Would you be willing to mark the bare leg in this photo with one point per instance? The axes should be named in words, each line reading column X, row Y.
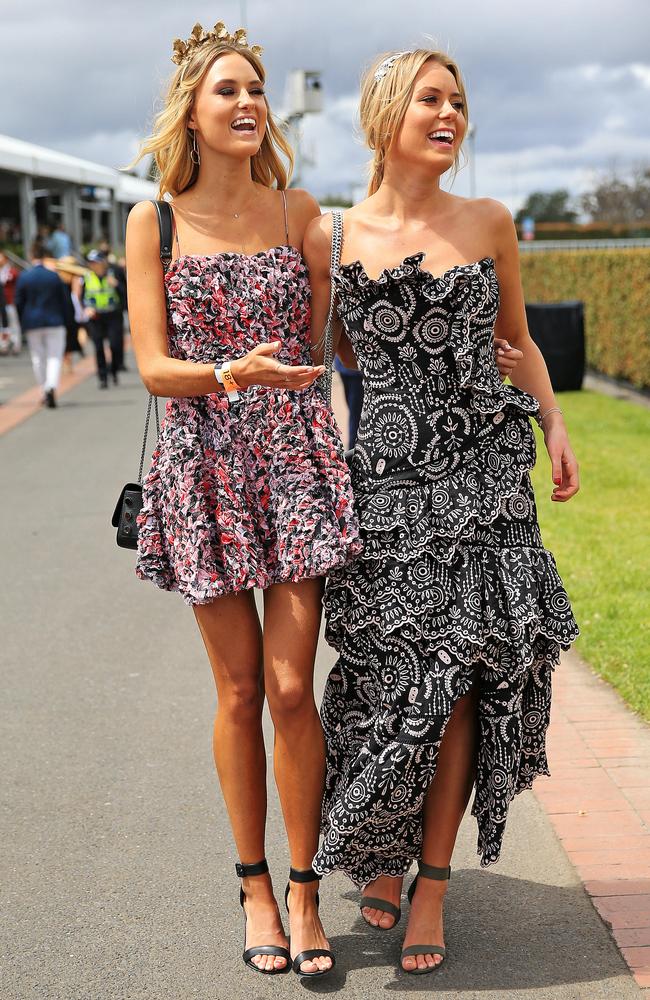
column 291, row 621
column 444, row 807
column 232, row 636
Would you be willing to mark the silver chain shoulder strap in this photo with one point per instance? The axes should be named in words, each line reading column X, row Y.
column 328, row 333
column 146, row 431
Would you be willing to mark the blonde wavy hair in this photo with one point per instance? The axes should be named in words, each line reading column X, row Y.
column 170, row 142
column 384, row 103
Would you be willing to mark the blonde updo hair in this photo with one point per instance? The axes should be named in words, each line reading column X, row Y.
column 170, row 142
column 384, row 103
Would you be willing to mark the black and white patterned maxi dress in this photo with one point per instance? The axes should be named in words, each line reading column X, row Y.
column 453, row 584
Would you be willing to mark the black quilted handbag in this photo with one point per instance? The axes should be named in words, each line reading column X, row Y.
column 129, row 503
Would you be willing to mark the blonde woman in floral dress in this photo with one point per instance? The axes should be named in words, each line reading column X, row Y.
column 248, row 487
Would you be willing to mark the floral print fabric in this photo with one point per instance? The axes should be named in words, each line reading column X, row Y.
column 256, row 492
column 453, row 586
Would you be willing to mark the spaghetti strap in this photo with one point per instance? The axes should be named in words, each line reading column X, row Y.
column 286, row 217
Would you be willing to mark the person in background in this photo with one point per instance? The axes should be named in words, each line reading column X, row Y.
column 353, row 389
column 72, row 275
column 4, row 320
column 103, row 315
column 44, row 309
column 117, row 273
column 8, row 279
column 59, row 243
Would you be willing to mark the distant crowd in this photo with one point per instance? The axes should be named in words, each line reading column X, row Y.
column 58, row 304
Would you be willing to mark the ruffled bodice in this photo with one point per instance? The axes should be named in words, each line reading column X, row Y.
column 425, row 347
column 223, row 305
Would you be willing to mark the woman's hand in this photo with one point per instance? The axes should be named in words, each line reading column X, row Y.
column 259, row 367
column 507, row 357
column 564, row 467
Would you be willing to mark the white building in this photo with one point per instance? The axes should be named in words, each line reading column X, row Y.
column 38, row 185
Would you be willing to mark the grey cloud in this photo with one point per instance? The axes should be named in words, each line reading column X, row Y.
column 86, row 78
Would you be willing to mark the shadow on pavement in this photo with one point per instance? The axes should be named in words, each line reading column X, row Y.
column 104, row 401
column 502, row 934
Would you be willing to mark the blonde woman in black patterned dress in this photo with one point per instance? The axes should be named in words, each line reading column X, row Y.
column 450, row 623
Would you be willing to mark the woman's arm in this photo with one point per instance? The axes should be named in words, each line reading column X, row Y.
column 531, row 373
column 165, row 376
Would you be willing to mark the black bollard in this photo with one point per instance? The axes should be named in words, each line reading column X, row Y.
column 558, row 329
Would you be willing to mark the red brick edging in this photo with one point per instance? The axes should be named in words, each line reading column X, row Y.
column 598, row 801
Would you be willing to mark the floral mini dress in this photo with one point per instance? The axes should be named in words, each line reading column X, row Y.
column 256, row 491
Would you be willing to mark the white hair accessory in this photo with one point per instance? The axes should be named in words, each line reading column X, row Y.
column 387, row 64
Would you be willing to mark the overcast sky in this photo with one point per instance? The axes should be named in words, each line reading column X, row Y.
column 558, row 91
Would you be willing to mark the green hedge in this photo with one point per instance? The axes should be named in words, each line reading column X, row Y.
column 615, row 288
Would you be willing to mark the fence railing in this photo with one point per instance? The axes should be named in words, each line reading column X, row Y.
column 539, row 246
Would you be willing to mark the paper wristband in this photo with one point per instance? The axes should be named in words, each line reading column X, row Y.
column 229, row 383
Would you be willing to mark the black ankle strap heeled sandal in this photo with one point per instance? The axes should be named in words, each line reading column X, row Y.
column 438, row 875
column 249, row 871
column 302, row 876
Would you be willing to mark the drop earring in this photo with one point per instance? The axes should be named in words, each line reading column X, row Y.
column 195, row 154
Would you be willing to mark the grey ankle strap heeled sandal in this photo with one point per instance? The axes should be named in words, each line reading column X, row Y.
column 438, row 875
column 376, row 903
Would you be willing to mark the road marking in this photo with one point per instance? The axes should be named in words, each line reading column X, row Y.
column 22, row 407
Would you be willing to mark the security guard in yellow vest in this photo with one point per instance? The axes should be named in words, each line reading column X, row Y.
column 103, row 310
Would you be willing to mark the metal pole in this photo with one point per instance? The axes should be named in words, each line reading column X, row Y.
column 471, row 135
column 72, row 214
column 115, row 234
column 293, row 122
column 242, row 13
column 27, row 212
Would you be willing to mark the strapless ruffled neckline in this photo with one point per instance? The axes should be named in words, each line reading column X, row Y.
column 407, row 267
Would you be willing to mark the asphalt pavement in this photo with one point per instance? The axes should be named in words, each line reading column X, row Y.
column 117, row 860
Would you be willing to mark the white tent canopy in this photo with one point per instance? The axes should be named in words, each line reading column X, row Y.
column 22, row 163
column 26, row 158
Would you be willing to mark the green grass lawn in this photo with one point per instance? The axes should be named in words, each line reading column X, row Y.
column 601, row 538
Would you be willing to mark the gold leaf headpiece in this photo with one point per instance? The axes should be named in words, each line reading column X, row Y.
column 198, row 36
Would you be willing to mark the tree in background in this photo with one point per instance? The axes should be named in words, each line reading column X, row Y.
column 547, row 206
column 336, row 201
column 615, row 199
column 152, row 170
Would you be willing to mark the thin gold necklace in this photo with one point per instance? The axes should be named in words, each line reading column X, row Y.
column 237, row 215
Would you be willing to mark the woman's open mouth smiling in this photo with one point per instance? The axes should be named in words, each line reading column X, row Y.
column 442, row 137
column 245, row 125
